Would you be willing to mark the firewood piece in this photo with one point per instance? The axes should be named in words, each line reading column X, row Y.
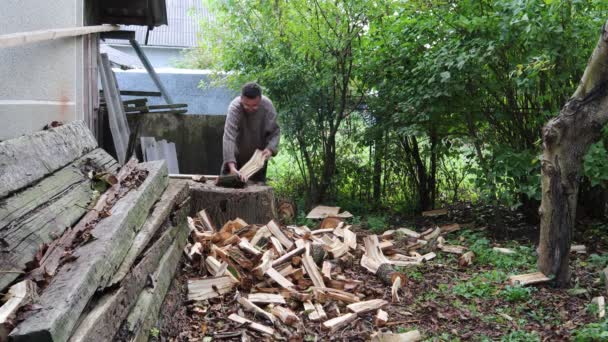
column 578, row 249
column 285, row 315
column 287, row 271
column 253, row 165
column 278, row 278
column 288, row 256
column 432, row 235
column 206, row 221
column 264, row 265
column 408, row 232
column 277, row 245
column 96, row 261
column 322, row 231
column 367, row 306
column 350, row 239
column 18, row 295
column 435, row 213
column 326, row 270
column 448, row 228
column 338, row 322
column 466, row 259
column 381, row 318
column 250, row 306
column 251, row 324
column 201, row 289
column 342, row 296
column 429, row 256
column 217, row 268
column 601, row 306
column 322, row 211
column 196, row 252
column 261, row 233
column 315, row 311
column 504, row 250
column 384, row 245
column 330, row 222
column 192, row 225
column 453, row 249
column 230, row 181
column 528, row 279
column 318, row 253
column 312, row 271
column 410, row 336
column 274, row 228
column 266, row 298
column 248, row 247
column 337, row 249
column 395, row 289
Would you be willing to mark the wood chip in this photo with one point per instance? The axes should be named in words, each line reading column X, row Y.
column 528, row 279
column 251, row 324
column 381, row 318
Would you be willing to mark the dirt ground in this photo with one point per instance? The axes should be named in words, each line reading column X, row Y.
column 443, row 300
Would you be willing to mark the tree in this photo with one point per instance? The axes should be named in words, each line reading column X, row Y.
column 566, row 140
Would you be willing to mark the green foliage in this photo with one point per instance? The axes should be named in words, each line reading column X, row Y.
column 481, row 285
column 154, row 332
column 520, row 336
column 516, row 293
column 376, row 224
column 597, row 261
column 521, row 261
column 591, row 332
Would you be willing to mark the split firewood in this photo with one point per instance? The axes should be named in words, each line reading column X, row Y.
column 322, row 211
column 367, row 306
column 196, row 252
column 251, row 324
column 322, row 231
column 330, row 222
column 381, row 318
column 233, row 225
column 264, row 265
column 337, row 249
column 278, row 278
column 18, row 295
column 248, row 247
column 452, row 249
column 255, row 164
column 435, row 213
column 288, row 256
column 374, row 261
column 191, row 225
column 397, row 284
column 215, row 267
column 250, row 306
column 408, row 232
column 277, row 245
column 287, row 271
column 285, row 315
column 504, row 250
column 385, row 245
column 274, row 229
column 201, row 289
column 326, row 270
column 410, row 336
column 433, row 234
column 578, row 249
column 312, row 271
column 206, row 222
column 601, row 306
column 322, row 293
column 466, row 259
column 528, row 279
column 339, row 322
column 261, row 234
column 448, row 228
column 350, row 238
column 266, row 298
column 315, row 311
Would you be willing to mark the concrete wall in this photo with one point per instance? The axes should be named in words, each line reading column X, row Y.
column 183, row 87
column 42, row 81
column 159, row 56
column 197, row 138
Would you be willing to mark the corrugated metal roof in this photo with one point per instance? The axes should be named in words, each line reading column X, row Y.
column 183, row 30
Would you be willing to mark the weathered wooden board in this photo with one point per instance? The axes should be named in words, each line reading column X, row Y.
column 176, row 193
column 29, row 158
column 102, row 321
column 69, row 291
column 42, row 212
column 145, row 312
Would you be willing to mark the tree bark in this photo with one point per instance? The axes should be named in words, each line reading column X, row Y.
column 566, row 139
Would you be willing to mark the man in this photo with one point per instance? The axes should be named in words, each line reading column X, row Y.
column 251, row 123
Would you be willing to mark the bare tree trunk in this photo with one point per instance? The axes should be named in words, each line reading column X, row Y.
column 566, row 139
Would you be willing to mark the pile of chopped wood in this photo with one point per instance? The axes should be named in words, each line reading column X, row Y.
column 291, row 280
column 88, row 252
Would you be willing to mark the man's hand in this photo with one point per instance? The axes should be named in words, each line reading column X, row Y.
column 267, row 154
column 234, row 171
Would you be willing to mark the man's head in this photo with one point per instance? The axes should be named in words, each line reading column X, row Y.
column 251, row 95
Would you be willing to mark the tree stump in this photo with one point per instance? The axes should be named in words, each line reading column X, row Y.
column 253, row 203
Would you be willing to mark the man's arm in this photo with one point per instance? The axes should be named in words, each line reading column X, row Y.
column 229, row 139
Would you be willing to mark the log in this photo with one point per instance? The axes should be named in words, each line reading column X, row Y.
column 201, row 289
column 381, row 318
column 176, row 193
column 251, row 324
column 367, row 306
column 230, row 181
column 102, row 321
column 30, row 158
column 285, row 315
column 18, row 295
column 254, row 204
column 144, row 314
column 318, row 253
column 40, row 213
column 66, row 296
column 336, row 323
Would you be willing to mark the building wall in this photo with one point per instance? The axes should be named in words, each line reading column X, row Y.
column 42, row 81
column 183, row 87
column 159, row 56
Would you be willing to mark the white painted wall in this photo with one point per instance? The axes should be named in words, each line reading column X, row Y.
column 44, row 81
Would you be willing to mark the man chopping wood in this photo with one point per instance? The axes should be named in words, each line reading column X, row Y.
column 251, row 124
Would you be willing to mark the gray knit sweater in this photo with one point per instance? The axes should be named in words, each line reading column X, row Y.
column 246, row 132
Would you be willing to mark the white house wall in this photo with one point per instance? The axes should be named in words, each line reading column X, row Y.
column 42, row 81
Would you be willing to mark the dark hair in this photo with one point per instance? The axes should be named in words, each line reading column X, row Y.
column 251, row 90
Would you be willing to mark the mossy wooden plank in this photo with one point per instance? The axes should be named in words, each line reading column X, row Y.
column 29, row 158
column 65, row 298
column 40, row 213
